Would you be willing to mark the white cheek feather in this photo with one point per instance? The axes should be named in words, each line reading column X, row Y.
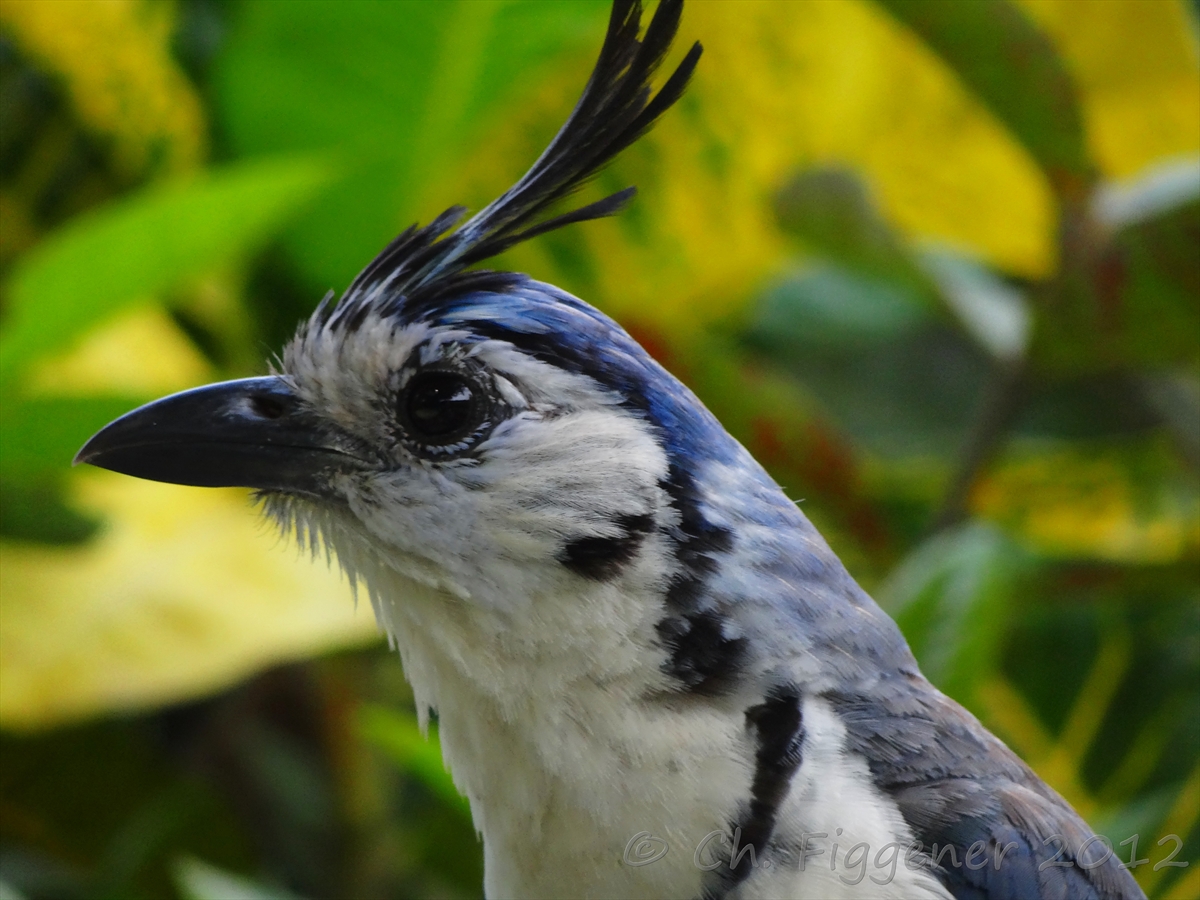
column 540, row 483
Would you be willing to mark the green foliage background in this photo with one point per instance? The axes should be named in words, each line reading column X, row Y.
column 936, row 264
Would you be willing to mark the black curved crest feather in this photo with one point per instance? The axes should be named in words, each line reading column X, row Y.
column 616, row 108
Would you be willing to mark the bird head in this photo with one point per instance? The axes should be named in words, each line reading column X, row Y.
column 476, row 432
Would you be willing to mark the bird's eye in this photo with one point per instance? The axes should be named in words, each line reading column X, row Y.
column 439, row 409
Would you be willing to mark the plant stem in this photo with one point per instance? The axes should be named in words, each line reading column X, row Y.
column 1002, row 399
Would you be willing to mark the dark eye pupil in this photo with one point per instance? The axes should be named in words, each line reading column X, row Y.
column 440, row 405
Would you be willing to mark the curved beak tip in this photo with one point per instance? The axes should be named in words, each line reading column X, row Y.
column 219, row 436
column 85, row 453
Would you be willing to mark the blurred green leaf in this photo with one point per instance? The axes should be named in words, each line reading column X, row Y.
column 993, row 312
column 950, row 597
column 143, row 245
column 132, row 848
column 35, row 873
column 1136, row 300
column 197, row 880
column 1013, row 67
column 36, row 510
column 1098, row 405
column 398, row 88
column 1156, row 266
column 900, row 383
column 1176, row 398
column 291, row 775
column 41, row 434
column 828, row 305
column 397, row 735
column 38, row 439
column 832, row 213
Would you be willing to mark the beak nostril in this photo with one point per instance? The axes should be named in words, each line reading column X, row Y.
column 267, row 406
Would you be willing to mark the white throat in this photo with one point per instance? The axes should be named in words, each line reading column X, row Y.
column 561, row 753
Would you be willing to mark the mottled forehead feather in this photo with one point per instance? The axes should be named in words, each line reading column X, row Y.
column 425, row 265
column 539, row 322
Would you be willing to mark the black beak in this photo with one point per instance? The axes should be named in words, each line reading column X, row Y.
column 248, row 433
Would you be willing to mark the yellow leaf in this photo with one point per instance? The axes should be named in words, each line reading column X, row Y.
column 1101, row 504
column 185, row 592
column 1136, row 65
column 139, row 353
column 115, row 60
